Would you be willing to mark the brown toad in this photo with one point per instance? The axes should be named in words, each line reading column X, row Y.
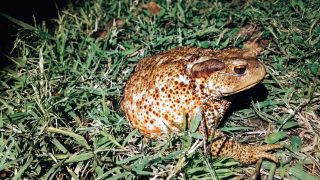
column 192, row 81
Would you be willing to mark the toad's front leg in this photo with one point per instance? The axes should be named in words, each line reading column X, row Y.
column 212, row 114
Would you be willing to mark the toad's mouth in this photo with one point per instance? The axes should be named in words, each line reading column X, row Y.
column 240, row 90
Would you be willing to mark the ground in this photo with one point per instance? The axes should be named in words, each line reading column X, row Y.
column 59, row 102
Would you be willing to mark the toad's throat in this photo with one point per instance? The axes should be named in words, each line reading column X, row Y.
column 239, row 90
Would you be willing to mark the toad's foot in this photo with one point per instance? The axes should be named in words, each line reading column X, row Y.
column 246, row 154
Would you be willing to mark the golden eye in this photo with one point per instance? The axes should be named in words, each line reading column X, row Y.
column 241, row 69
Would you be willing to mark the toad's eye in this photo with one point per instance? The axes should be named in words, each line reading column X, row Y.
column 241, row 69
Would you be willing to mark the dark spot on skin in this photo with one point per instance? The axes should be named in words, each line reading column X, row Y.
column 193, row 57
column 151, row 121
column 151, row 84
column 166, row 117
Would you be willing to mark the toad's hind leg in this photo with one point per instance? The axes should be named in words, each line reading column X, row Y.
column 246, row 154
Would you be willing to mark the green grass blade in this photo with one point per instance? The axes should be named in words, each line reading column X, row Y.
column 18, row 22
column 79, row 139
column 23, row 168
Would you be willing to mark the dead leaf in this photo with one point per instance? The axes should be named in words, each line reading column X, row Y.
column 264, row 42
column 115, row 23
column 253, row 48
column 248, row 30
column 152, row 7
column 102, row 33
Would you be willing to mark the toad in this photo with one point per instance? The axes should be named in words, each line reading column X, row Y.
column 187, row 81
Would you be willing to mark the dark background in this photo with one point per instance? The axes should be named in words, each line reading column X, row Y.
column 26, row 11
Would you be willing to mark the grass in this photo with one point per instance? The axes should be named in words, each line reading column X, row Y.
column 59, row 103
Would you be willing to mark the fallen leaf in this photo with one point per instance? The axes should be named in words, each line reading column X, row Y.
column 248, row 30
column 264, row 42
column 115, row 23
column 102, row 33
column 152, row 7
column 253, row 47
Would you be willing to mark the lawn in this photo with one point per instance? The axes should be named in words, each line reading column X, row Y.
column 59, row 105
